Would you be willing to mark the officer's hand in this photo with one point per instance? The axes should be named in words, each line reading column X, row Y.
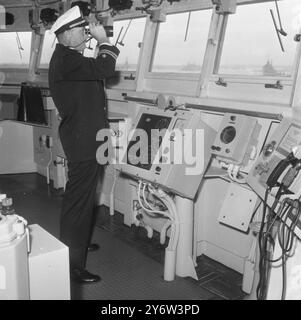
column 98, row 33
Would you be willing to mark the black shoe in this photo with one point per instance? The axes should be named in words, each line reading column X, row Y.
column 84, row 276
column 93, row 247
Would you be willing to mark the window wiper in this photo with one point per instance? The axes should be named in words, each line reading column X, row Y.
column 19, row 42
column 19, row 45
column 117, row 40
column 276, row 29
column 125, row 32
column 187, row 25
column 280, row 29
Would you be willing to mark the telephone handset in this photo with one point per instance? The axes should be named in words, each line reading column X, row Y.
column 278, row 165
column 279, row 169
column 293, row 160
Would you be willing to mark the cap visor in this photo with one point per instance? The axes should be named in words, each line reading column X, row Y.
column 82, row 23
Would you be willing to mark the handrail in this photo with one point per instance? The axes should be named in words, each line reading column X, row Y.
column 260, row 114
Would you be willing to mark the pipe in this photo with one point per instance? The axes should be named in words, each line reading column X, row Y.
column 48, row 165
column 169, row 265
column 64, row 178
column 149, row 231
column 170, row 251
column 163, row 230
column 112, row 193
column 184, row 263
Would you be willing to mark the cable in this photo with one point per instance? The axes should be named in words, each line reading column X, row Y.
column 288, row 210
column 169, row 203
column 175, row 228
column 233, row 172
column 288, row 239
column 260, row 290
column 145, row 200
column 148, row 210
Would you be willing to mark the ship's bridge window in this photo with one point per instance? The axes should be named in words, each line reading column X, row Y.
column 49, row 44
column 251, row 46
column 127, row 36
column 181, row 42
column 15, row 51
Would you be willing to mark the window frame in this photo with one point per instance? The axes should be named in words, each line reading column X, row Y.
column 39, row 68
column 255, row 84
column 181, row 83
column 255, row 77
column 128, row 78
column 175, row 75
column 30, row 46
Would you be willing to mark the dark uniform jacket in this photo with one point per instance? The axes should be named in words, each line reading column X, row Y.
column 76, row 86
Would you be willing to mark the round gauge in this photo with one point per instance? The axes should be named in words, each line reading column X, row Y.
column 228, row 134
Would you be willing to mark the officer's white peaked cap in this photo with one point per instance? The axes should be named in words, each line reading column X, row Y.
column 72, row 18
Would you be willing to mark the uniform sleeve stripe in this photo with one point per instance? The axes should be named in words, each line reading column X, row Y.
column 105, row 46
column 112, row 54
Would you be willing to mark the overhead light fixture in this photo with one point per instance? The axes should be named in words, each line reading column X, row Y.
column 119, row 5
column 9, row 19
column 48, row 16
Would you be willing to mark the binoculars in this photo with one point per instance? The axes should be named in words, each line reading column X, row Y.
column 108, row 30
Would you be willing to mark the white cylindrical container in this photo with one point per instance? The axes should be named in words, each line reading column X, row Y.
column 184, row 262
column 14, row 272
column 169, row 265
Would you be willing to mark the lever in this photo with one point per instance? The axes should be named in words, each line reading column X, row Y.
column 221, row 82
column 281, row 166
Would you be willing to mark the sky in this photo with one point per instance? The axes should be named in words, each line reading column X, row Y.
column 259, row 40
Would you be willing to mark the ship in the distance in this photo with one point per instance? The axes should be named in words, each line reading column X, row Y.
column 269, row 70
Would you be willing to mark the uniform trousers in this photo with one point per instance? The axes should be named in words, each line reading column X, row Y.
column 77, row 216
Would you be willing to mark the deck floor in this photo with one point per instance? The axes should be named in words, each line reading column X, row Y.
column 130, row 264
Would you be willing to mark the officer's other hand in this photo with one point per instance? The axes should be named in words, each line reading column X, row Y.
column 98, row 32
